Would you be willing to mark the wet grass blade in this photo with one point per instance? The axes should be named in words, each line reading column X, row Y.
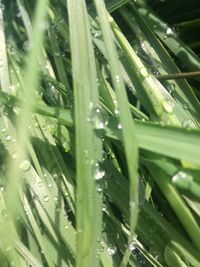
column 88, row 145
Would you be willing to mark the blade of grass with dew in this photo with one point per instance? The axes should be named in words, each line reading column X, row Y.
column 118, row 193
column 4, row 74
column 182, row 143
column 30, row 80
column 149, row 90
column 37, row 188
column 128, row 132
column 152, row 217
column 184, row 94
column 177, row 204
column 88, row 145
column 166, row 34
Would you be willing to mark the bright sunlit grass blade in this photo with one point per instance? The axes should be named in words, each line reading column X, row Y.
column 4, row 74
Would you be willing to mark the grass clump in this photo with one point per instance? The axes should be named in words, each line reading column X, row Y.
column 99, row 130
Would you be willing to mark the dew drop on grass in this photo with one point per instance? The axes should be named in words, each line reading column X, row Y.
column 2, row 188
column 117, row 78
column 188, row 124
column 168, row 106
column 8, row 248
column 57, row 54
column 26, row 212
column 111, row 250
column 46, row 198
column 99, row 188
column 186, row 105
column 182, row 178
column 170, row 88
column 25, row 165
column 4, row 213
column 99, row 118
column 8, row 138
column 133, row 245
column 55, row 198
column 144, row 72
column 15, row 155
column 98, row 171
column 66, row 227
column 119, row 126
column 169, row 31
column 40, row 184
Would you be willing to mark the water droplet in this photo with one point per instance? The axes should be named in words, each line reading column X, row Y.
column 8, row 138
column 188, row 124
column 49, row 185
column 182, row 179
column 133, row 245
column 186, row 105
column 169, row 31
column 46, row 198
column 98, row 172
column 55, row 198
column 117, row 78
column 119, row 126
column 66, row 227
column 111, row 250
column 57, row 54
column 144, row 72
column 168, row 106
column 155, row 71
column 101, row 247
column 2, row 188
column 15, row 155
column 40, row 184
column 16, row 110
column 104, row 155
column 99, row 188
column 4, row 213
column 98, row 118
column 8, row 248
column 26, row 212
column 25, row 165
column 170, row 87
column 3, row 129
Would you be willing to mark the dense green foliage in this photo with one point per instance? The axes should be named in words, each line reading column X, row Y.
column 100, row 152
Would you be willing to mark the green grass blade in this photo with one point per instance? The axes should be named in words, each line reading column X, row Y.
column 128, row 132
column 4, row 74
column 88, row 145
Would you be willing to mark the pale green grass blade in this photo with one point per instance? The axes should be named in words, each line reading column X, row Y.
column 128, row 132
column 30, row 80
column 178, row 205
column 4, row 74
column 88, row 145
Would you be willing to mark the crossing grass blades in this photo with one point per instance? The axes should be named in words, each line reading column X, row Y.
column 99, row 133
